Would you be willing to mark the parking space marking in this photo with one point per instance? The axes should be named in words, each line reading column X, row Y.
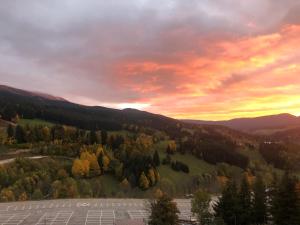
column 6, row 217
column 15, row 219
column 56, row 218
column 93, row 217
column 108, row 217
column 3, row 208
column 186, row 215
column 138, row 214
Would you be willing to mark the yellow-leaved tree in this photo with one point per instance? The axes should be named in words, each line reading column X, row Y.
column 143, row 181
column 105, row 162
column 151, row 176
column 80, row 168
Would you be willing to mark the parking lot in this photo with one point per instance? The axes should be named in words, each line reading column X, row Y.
column 80, row 211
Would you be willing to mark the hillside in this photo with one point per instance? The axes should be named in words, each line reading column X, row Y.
column 259, row 125
column 31, row 105
column 120, row 147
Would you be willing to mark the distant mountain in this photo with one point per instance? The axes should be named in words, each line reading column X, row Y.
column 29, row 104
column 256, row 125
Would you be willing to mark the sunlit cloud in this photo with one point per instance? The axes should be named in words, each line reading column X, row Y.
column 185, row 59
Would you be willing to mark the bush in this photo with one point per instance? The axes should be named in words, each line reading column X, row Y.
column 179, row 166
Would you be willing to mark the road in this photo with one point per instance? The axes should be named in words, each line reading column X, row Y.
column 80, row 211
column 5, row 161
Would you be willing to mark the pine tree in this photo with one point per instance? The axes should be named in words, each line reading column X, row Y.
column 164, row 212
column 10, row 131
column 227, row 206
column 156, row 158
column 104, row 137
column 20, row 134
column 259, row 202
column 200, row 207
column 272, row 195
column 244, row 203
column 286, row 203
column 93, row 137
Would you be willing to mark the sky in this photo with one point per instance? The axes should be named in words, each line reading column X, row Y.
column 194, row 59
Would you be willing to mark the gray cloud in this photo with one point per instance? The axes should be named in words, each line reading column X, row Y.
column 69, row 47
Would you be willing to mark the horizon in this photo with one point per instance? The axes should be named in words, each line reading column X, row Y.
column 209, row 60
column 123, row 108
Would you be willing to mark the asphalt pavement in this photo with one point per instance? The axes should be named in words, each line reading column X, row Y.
column 80, row 211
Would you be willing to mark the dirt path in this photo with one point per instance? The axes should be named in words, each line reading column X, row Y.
column 5, row 161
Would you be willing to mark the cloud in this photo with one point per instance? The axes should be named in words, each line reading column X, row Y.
column 180, row 58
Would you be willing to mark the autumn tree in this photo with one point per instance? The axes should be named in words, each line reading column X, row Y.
column 125, row 185
column 151, row 177
column 171, row 148
column 7, row 195
column 164, row 212
column 94, row 166
column 143, row 181
column 80, row 168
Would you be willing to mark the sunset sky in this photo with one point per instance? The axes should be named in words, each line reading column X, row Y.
column 197, row 59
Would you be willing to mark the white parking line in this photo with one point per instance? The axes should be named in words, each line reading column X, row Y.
column 138, row 214
column 62, row 218
column 93, row 217
column 5, row 218
column 15, row 219
column 4, row 209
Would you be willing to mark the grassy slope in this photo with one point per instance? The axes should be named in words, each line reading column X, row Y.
column 179, row 179
column 34, row 122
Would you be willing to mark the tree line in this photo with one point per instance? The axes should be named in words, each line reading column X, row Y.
column 248, row 204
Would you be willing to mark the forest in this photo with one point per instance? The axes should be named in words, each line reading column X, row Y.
column 102, row 152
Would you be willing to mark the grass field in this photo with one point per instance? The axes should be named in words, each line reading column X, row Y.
column 181, row 180
column 34, row 122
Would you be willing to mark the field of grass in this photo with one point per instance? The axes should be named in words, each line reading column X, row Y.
column 253, row 155
column 34, row 122
column 181, row 180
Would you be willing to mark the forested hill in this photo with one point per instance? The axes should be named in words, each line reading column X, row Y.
column 257, row 124
column 211, row 143
column 34, row 105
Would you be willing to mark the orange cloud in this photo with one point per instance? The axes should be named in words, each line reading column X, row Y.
column 248, row 76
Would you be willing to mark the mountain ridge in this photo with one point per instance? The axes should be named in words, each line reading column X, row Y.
column 253, row 124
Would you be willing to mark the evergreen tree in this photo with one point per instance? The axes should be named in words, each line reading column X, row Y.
column 259, row 202
column 286, row 203
column 200, row 207
column 156, row 158
column 244, row 203
column 104, row 137
column 164, row 212
column 10, row 131
column 20, row 134
column 93, row 137
column 227, row 206
column 272, row 195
